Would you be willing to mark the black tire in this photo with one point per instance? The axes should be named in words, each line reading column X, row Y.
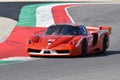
column 105, row 44
column 84, row 48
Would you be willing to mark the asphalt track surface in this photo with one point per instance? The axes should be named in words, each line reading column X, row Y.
column 94, row 67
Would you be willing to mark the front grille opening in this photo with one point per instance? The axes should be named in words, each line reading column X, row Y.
column 46, row 52
column 34, row 50
column 62, row 51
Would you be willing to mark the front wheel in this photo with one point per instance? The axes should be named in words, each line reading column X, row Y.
column 84, row 48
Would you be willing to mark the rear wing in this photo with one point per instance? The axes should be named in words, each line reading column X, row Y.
column 106, row 28
column 92, row 28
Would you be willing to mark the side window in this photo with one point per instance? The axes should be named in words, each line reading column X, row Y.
column 76, row 31
column 82, row 29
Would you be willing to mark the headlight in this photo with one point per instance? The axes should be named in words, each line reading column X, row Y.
column 30, row 41
column 34, row 39
column 72, row 42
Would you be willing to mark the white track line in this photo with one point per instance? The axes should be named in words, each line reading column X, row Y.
column 18, row 59
column 44, row 16
column 69, row 14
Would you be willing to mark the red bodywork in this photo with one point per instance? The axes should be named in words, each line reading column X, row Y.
column 61, row 45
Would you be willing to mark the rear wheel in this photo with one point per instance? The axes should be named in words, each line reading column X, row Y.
column 105, row 44
column 84, row 48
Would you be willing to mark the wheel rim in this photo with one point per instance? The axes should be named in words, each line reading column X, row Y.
column 105, row 43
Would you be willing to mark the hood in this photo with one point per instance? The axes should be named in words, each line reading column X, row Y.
column 50, row 41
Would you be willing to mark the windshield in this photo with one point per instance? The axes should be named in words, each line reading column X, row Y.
column 62, row 30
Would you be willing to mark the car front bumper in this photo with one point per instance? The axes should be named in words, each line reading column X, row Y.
column 48, row 52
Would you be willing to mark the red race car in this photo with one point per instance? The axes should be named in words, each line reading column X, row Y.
column 69, row 40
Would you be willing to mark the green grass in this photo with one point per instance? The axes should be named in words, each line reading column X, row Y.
column 8, row 61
